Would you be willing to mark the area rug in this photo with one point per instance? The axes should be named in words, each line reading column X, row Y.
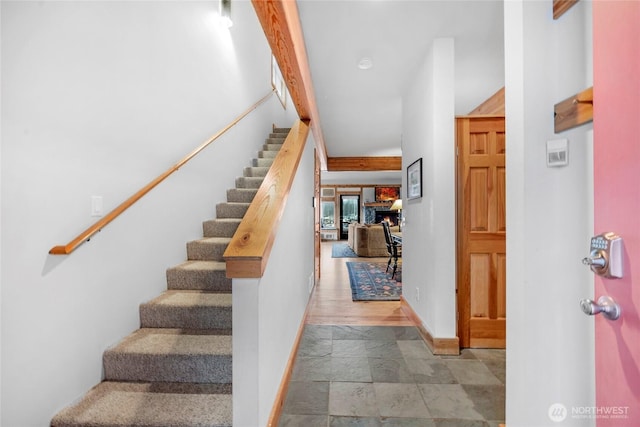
column 342, row 250
column 369, row 282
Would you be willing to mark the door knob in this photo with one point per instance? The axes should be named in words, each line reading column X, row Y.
column 605, row 305
column 597, row 260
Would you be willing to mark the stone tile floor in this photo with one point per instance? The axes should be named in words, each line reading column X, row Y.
column 385, row 376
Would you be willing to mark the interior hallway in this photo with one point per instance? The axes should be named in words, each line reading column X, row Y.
column 364, row 364
column 331, row 302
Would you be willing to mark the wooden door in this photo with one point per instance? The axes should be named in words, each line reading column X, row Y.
column 616, row 154
column 481, row 231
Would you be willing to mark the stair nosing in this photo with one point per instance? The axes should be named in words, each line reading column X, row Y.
column 128, row 344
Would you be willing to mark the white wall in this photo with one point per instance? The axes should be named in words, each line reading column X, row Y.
column 480, row 71
column 429, row 234
column 285, row 287
column 549, row 216
column 267, row 312
column 98, row 99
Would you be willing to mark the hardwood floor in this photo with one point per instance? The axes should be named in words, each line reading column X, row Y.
column 331, row 302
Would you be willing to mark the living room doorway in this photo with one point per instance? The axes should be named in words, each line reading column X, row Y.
column 349, row 211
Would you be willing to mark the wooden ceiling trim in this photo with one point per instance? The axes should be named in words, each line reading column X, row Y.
column 493, row 106
column 369, row 164
column 561, row 6
column 281, row 24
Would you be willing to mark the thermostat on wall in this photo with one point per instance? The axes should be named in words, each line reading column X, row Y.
column 557, row 152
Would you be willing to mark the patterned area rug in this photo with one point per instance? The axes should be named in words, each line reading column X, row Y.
column 369, row 282
column 342, row 250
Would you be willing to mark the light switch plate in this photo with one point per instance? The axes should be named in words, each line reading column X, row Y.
column 96, row 206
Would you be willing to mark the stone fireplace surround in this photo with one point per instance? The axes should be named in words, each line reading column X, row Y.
column 375, row 215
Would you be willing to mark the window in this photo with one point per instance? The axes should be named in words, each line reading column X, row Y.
column 350, row 208
column 349, row 212
column 328, row 215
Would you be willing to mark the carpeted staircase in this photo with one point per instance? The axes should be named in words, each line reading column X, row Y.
column 176, row 369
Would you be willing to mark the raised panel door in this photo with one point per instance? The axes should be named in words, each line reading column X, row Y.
column 481, row 232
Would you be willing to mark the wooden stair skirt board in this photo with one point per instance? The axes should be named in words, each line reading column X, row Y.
column 438, row 346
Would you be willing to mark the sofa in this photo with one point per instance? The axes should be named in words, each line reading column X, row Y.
column 367, row 240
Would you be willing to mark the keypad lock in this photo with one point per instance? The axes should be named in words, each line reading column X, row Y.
column 605, row 258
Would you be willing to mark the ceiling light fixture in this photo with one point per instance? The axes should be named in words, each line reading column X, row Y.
column 225, row 13
column 365, row 63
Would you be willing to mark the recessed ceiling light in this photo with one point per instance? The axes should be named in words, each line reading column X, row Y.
column 365, row 63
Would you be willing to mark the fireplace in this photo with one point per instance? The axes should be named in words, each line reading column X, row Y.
column 390, row 216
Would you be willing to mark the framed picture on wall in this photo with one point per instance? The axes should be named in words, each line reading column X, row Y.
column 384, row 194
column 414, row 180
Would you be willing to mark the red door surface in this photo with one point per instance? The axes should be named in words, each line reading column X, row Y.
column 616, row 63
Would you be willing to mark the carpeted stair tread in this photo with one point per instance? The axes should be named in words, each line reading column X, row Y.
column 199, row 275
column 249, row 181
column 220, row 227
column 208, row 248
column 272, row 146
column 170, row 355
column 281, row 131
column 241, row 195
column 260, row 162
column 262, row 154
column 173, row 341
column 231, row 210
column 193, row 299
column 187, row 310
column 112, row 403
column 255, row 171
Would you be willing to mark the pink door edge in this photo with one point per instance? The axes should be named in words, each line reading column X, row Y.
column 616, row 66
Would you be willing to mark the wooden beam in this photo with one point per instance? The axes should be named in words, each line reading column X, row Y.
column 335, row 164
column 574, row 111
column 561, row 6
column 281, row 24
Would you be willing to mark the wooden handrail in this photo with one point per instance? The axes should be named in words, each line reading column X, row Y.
column 100, row 224
column 248, row 252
